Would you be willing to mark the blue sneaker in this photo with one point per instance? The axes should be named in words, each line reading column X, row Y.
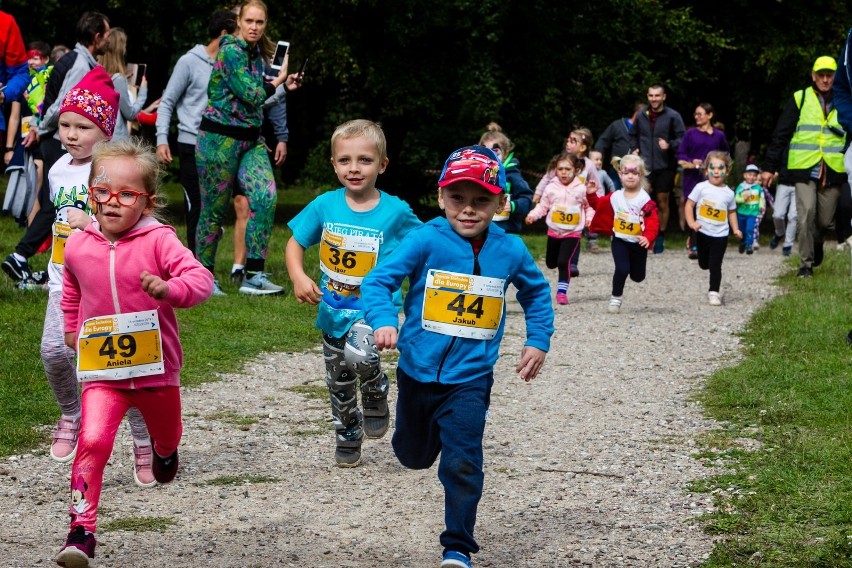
column 259, row 285
column 658, row 245
column 455, row 559
column 217, row 290
column 15, row 269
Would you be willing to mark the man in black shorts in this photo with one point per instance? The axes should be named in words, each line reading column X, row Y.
column 656, row 135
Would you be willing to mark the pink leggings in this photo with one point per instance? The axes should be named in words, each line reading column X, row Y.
column 103, row 409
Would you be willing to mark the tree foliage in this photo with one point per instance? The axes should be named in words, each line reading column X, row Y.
column 435, row 73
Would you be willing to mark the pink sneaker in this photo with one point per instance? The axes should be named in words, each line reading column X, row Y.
column 562, row 298
column 142, row 473
column 64, row 446
column 79, row 549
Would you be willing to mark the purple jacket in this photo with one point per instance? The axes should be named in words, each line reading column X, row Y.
column 695, row 145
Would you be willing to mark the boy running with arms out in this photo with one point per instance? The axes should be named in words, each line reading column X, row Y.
column 459, row 268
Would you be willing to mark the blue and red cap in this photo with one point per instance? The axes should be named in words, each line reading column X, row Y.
column 477, row 164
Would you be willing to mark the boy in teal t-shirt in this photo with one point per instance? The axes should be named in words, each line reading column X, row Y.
column 355, row 227
column 751, row 204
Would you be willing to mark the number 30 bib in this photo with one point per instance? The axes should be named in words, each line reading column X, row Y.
column 121, row 346
column 462, row 305
column 347, row 258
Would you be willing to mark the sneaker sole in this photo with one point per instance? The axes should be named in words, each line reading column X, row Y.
column 74, row 558
column 139, row 481
column 12, row 272
column 373, row 432
column 256, row 292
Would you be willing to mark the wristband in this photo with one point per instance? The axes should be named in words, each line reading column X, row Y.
column 8, row 149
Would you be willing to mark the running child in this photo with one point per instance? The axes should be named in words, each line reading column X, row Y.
column 751, row 204
column 87, row 116
column 355, row 227
column 596, row 156
column 459, row 268
column 567, row 211
column 520, row 195
column 124, row 275
column 710, row 209
column 629, row 215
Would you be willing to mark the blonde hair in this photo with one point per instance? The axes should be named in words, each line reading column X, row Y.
column 358, row 128
column 115, row 50
column 632, row 160
column 718, row 155
column 266, row 45
column 494, row 132
column 142, row 154
column 586, row 139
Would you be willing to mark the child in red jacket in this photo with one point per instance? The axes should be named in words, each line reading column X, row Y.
column 629, row 215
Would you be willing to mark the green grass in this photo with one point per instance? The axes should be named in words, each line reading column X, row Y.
column 137, row 524
column 242, row 480
column 789, row 503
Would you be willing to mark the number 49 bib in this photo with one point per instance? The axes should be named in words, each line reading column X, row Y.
column 462, row 305
column 121, row 346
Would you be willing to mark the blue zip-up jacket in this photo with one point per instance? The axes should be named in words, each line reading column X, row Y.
column 843, row 87
column 433, row 357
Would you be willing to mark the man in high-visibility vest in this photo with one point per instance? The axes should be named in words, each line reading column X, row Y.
column 808, row 125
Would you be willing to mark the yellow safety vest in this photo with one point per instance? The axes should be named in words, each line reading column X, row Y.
column 817, row 136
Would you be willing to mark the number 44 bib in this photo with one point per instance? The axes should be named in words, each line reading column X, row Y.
column 462, row 305
column 121, row 346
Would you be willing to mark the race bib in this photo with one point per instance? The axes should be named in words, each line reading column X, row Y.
column 750, row 197
column 708, row 211
column 347, row 258
column 627, row 224
column 462, row 305
column 61, row 232
column 565, row 217
column 501, row 215
column 121, row 346
column 27, row 124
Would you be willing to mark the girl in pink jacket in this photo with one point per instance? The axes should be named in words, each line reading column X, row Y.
column 568, row 212
column 123, row 277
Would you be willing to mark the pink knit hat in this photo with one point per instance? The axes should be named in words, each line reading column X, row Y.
column 95, row 98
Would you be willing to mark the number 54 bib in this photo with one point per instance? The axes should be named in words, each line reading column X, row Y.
column 121, row 346
column 462, row 305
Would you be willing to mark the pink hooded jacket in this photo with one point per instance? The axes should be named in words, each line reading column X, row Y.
column 558, row 195
column 103, row 278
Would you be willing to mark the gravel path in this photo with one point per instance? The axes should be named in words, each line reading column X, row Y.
column 586, row 466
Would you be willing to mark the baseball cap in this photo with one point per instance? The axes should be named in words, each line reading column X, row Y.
column 477, row 164
column 825, row 63
column 752, row 168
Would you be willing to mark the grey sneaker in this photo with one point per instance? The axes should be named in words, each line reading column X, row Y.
column 376, row 416
column 614, row 305
column 217, row 290
column 260, row 285
column 348, row 451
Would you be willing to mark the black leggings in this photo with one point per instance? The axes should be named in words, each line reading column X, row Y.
column 711, row 252
column 630, row 260
column 560, row 254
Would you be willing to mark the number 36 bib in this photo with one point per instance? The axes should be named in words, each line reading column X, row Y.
column 121, row 346
column 462, row 305
column 347, row 258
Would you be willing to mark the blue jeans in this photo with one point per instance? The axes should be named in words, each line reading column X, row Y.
column 746, row 223
column 433, row 418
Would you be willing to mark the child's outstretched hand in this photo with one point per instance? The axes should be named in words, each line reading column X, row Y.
column 644, row 242
column 738, row 233
column 385, row 337
column 531, row 361
column 529, row 220
column 306, row 290
column 154, row 286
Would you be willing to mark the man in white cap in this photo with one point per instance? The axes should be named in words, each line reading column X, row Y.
column 809, row 126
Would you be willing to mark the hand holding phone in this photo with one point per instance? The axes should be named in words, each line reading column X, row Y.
column 301, row 74
column 140, row 73
column 280, row 52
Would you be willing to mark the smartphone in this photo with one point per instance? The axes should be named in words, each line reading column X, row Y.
column 140, row 73
column 280, row 52
column 302, row 70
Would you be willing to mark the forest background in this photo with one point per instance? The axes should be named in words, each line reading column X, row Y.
column 434, row 74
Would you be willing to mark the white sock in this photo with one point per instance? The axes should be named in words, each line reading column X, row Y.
column 19, row 258
column 236, row 267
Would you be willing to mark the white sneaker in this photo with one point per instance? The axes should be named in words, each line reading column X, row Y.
column 614, row 305
column 259, row 285
column 714, row 298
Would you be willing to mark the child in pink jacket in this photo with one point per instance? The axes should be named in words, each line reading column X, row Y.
column 568, row 212
column 123, row 277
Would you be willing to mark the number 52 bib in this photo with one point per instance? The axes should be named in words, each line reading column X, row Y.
column 121, row 346
column 462, row 305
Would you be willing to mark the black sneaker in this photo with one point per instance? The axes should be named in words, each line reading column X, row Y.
column 787, row 251
column 575, row 272
column 819, row 253
column 348, row 451
column 693, row 253
column 376, row 416
column 79, row 549
column 164, row 469
column 742, row 247
column 776, row 240
column 238, row 275
column 805, row 272
column 15, row 269
column 749, row 250
column 40, row 277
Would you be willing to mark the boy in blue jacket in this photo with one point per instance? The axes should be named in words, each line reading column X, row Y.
column 459, row 268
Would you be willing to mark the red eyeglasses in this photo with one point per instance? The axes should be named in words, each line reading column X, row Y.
column 126, row 197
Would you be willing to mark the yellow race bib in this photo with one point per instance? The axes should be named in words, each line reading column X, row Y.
column 626, row 224
column 347, row 258
column 463, row 305
column 709, row 211
column 61, row 232
column 120, row 346
column 565, row 217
